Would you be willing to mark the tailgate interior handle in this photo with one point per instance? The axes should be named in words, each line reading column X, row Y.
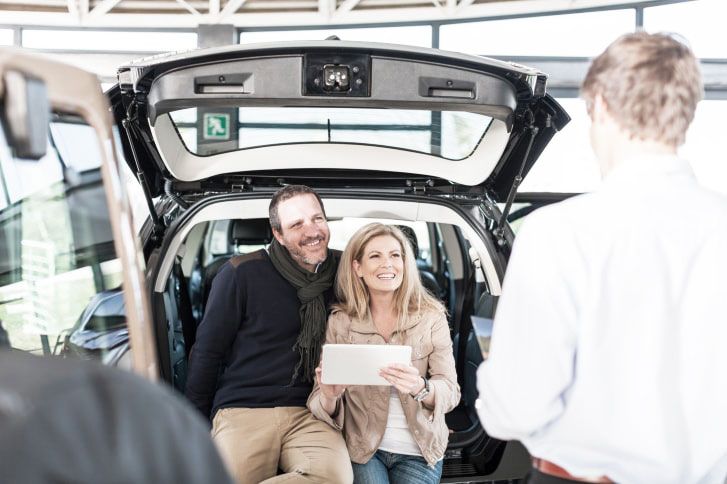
column 224, row 84
column 446, row 88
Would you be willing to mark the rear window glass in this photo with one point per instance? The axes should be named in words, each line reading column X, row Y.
column 453, row 135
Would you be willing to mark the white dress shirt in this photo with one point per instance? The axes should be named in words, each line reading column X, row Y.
column 609, row 350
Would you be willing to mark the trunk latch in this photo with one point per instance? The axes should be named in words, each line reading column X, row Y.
column 419, row 187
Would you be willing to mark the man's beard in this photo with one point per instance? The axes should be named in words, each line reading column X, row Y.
column 297, row 252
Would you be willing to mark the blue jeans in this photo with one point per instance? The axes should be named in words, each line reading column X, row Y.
column 387, row 468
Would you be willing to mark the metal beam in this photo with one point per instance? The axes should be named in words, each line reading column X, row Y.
column 377, row 13
column 435, row 36
column 326, row 8
column 188, row 7
column 104, row 7
column 231, row 7
column 141, row 6
column 347, row 6
column 284, row 6
column 73, row 9
column 214, row 7
column 215, row 35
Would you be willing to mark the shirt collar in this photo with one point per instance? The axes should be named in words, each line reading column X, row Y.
column 646, row 168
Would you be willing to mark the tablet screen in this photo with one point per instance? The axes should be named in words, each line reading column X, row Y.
column 352, row 364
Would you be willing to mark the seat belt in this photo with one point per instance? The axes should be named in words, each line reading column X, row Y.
column 189, row 326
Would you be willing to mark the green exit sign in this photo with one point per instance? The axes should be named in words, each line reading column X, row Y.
column 216, row 126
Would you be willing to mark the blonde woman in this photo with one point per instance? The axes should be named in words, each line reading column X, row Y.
column 395, row 434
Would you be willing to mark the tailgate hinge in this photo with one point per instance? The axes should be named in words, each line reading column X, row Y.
column 419, row 187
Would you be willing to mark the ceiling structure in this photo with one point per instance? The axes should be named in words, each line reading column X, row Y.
column 271, row 13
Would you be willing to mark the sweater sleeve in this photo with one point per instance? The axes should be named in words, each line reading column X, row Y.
column 215, row 334
column 314, row 402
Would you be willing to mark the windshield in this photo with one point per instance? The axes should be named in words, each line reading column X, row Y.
column 452, row 135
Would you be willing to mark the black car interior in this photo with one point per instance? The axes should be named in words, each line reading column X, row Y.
column 186, row 297
column 241, row 234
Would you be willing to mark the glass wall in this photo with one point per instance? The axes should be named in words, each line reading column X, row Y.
column 98, row 40
column 6, row 37
column 570, row 35
column 702, row 23
column 703, row 148
column 567, row 165
column 420, row 36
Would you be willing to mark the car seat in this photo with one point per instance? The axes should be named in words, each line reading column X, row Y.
column 240, row 233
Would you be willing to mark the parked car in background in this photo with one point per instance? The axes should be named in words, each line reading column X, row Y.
column 432, row 141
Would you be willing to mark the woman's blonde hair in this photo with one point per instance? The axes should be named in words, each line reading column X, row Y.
column 353, row 295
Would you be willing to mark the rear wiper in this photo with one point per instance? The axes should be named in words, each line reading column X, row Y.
column 499, row 232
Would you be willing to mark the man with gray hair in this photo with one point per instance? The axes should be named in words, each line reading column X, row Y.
column 607, row 359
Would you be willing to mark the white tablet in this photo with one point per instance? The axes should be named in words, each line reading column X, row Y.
column 350, row 364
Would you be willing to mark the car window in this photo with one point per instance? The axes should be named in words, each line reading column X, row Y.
column 218, row 238
column 59, row 273
column 452, row 135
column 342, row 231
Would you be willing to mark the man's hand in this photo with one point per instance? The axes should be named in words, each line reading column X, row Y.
column 329, row 393
column 405, row 378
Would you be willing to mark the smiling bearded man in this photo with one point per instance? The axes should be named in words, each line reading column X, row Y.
column 252, row 366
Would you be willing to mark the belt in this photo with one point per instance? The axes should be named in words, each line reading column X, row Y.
column 547, row 467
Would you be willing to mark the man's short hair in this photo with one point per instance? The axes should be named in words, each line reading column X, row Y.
column 650, row 83
column 284, row 194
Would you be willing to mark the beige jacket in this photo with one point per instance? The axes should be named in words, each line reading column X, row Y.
column 363, row 410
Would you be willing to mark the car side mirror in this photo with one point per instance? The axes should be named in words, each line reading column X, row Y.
column 26, row 114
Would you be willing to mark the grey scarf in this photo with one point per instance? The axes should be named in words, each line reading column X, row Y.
column 310, row 287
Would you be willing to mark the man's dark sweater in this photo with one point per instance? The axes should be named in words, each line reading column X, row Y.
column 243, row 355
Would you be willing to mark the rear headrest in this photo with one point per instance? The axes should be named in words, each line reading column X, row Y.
column 412, row 236
column 252, row 231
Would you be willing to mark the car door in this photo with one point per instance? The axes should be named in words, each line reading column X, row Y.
column 66, row 237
